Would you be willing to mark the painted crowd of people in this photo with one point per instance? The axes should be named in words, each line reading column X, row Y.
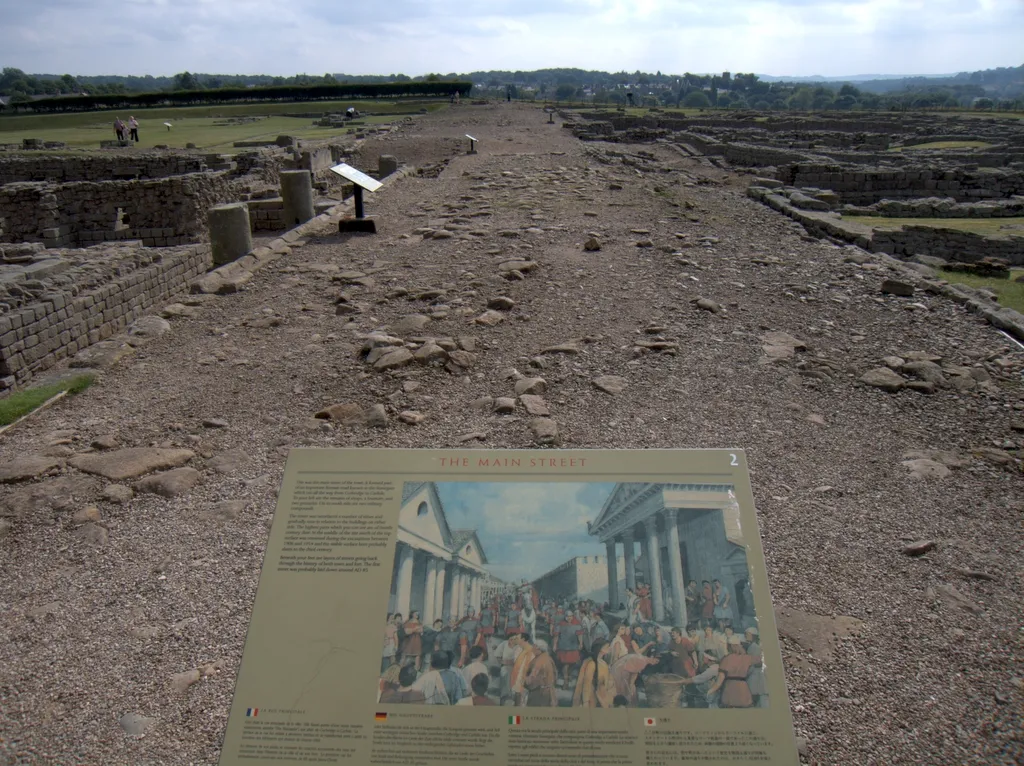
column 520, row 650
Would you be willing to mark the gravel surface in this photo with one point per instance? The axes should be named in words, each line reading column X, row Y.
column 124, row 618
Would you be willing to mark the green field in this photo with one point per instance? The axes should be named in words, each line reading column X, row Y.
column 197, row 124
column 21, row 403
column 943, row 145
column 990, row 227
column 1011, row 293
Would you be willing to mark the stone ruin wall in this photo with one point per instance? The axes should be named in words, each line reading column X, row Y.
column 866, row 186
column 948, row 244
column 88, row 296
column 98, row 167
column 163, row 212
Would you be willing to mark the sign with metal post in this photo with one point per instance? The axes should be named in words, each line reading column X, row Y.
column 360, row 181
column 472, row 144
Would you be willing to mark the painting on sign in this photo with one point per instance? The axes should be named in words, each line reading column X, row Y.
column 571, row 595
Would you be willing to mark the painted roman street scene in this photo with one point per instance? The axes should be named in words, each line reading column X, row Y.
column 571, row 595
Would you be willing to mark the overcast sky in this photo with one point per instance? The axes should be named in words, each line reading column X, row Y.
column 527, row 530
column 777, row 37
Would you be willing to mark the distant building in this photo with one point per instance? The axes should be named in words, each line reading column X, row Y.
column 437, row 571
column 686, row 532
column 579, row 578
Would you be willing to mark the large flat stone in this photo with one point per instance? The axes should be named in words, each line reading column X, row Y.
column 129, row 463
column 169, row 483
column 25, row 468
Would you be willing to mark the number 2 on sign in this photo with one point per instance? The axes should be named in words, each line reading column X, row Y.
column 734, row 461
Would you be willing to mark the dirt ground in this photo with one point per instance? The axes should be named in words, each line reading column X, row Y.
column 889, row 658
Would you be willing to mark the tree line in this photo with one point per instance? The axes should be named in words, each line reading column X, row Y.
column 233, row 95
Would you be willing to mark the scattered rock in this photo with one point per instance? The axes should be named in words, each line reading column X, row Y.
column 522, row 266
column 430, row 352
column 106, row 442
column 474, row 436
column 993, row 455
column 6, row 527
column 927, row 371
column 410, row 324
column 25, row 468
column 483, row 404
column 86, row 515
column 348, row 414
column 781, row 345
column 215, row 423
column 898, row 288
column 131, row 462
column 709, row 305
column 180, row 682
column 883, row 378
column 922, row 468
column 411, row 417
column 952, row 597
column 535, row 405
column 531, row 386
column 490, row 318
column 545, row 430
column 169, row 483
column 461, row 359
column 394, row 360
column 377, row 416
column 610, row 384
column 93, row 534
column 227, row 510
column 570, row 347
column 919, row 548
column 504, row 405
column 229, row 462
column 149, row 327
column 501, row 303
column 592, row 245
column 136, row 725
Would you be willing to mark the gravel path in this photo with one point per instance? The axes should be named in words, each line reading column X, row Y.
column 140, row 607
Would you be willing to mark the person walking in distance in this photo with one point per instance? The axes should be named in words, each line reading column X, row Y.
column 119, row 129
column 133, row 126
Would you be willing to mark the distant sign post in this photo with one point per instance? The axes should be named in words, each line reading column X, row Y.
column 168, row 125
column 551, row 115
column 360, row 181
column 472, row 144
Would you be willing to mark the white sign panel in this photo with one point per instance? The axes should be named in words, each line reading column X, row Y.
column 357, row 177
column 470, row 137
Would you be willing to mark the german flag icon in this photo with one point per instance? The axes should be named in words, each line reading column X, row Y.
column 380, row 716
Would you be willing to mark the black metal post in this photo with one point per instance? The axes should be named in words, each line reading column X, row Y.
column 359, row 200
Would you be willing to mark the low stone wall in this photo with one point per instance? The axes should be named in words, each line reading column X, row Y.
column 94, row 167
column 948, row 244
column 266, row 214
column 169, row 211
column 100, row 292
column 935, row 207
column 865, row 186
column 316, row 160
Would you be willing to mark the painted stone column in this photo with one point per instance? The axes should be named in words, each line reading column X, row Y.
column 428, row 592
column 675, row 567
column 403, row 592
column 439, row 589
column 654, row 567
column 627, row 545
column 297, row 195
column 613, row 575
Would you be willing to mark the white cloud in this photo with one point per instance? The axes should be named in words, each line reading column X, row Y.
column 795, row 37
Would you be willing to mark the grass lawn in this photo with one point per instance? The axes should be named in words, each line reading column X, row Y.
column 990, row 227
column 34, row 122
column 204, row 132
column 23, row 402
column 944, row 145
column 1011, row 294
